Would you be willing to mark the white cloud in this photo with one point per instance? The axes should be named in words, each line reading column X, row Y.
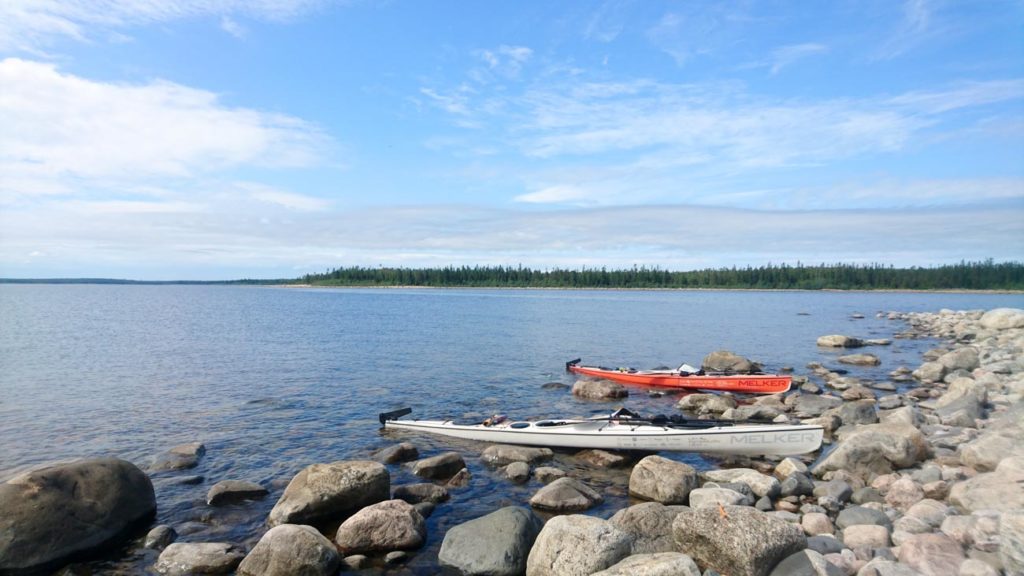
column 289, row 200
column 31, row 25
column 608, row 21
column 232, row 27
column 64, row 132
column 786, row 55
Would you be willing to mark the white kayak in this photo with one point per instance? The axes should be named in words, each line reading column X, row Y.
column 622, row 432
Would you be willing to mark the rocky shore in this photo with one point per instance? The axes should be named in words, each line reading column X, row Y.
column 922, row 474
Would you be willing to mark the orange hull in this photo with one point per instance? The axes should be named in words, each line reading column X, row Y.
column 746, row 383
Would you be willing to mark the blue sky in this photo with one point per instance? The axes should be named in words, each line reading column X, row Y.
column 187, row 139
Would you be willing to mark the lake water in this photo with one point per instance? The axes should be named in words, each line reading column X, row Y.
column 275, row 379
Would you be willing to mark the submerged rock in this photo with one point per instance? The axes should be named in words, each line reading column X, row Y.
column 403, row 452
column 839, row 341
column 440, row 467
column 53, row 514
column 565, row 495
column 599, row 390
column 228, row 491
column 503, row 454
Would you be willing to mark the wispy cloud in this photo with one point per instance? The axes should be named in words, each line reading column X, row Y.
column 916, row 25
column 31, row 25
column 786, row 55
column 608, row 21
column 232, row 27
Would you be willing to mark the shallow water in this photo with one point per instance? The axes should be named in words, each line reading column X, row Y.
column 275, row 379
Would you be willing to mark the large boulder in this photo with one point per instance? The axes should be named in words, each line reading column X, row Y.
column 565, row 495
column 1003, row 319
column 186, row 559
column 725, row 361
column 503, row 454
column 325, row 492
column 54, row 514
column 577, row 545
column 660, row 564
column 401, row 452
column 985, row 452
column 997, row 490
column 599, row 390
column 839, row 341
column 650, row 526
column 494, row 545
column 736, row 540
column 382, row 527
column 876, row 449
column 662, row 480
column 291, row 550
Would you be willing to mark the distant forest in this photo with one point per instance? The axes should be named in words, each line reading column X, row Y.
column 986, row 275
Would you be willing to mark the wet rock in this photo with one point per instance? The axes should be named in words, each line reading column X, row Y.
column 599, row 390
column 1003, row 319
column 555, row 386
column 382, row 527
column 604, row 458
column 932, row 554
column 426, row 509
column 395, row 557
column 565, row 495
column 460, row 480
column 518, row 472
column 496, row 544
column 662, row 480
column 290, row 549
column 548, row 474
column 797, row 484
column 229, row 491
column 326, row 492
column 839, row 341
column 806, row 563
column 725, row 361
column 170, row 462
column 504, row 454
column 649, row 526
column 577, row 545
column 186, row 559
column 736, row 540
column 659, row 564
column 54, row 513
column 356, row 561
column 159, row 537
column 403, row 452
column 423, row 492
column 440, row 467
column 760, row 484
column 877, row 448
column 859, row 360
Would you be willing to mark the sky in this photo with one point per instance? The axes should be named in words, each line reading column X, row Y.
column 220, row 139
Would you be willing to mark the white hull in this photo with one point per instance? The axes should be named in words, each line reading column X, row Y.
column 755, row 440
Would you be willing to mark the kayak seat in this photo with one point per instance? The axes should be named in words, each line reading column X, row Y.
column 549, row 423
column 518, row 425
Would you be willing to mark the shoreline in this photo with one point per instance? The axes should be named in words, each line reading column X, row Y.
column 600, row 289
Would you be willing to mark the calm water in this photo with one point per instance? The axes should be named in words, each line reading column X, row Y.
column 275, row 379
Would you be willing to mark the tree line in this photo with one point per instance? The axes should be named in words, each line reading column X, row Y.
column 983, row 275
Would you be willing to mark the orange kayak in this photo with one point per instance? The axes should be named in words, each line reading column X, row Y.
column 746, row 383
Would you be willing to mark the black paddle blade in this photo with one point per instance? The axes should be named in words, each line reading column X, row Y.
column 393, row 415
